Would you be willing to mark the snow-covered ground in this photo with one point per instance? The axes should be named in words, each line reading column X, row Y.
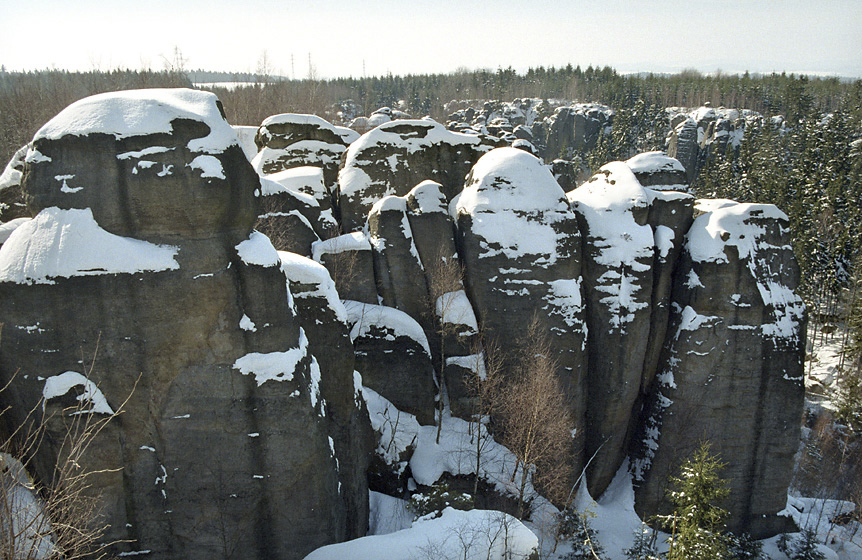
column 392, row 527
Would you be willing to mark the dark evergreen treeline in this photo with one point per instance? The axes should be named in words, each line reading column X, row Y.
column 27, row 100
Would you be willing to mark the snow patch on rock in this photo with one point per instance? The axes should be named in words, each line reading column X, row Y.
column 61, row 243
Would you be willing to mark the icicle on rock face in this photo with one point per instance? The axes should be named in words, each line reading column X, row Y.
column 519, row 242
column 140, row 272
column 736, row 344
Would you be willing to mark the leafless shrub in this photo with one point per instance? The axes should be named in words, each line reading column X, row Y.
column 534, row 420
column 58, row 518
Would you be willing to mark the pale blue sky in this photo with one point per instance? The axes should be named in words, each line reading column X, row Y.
column 823, row 37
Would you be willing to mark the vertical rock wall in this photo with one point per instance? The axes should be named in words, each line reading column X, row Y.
column 140, row 272
column 732, row 373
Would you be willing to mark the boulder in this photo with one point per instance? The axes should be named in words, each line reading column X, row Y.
column 350, row 264
column 733, row 372
column 290, row 140
column 140, row 275
column 393, row 357
column 520, row 246
column 396, row 156
column 324, row 320
column 290, row 219
column 618, row 248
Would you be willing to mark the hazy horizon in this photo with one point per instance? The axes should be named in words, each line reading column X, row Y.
column 331, row 39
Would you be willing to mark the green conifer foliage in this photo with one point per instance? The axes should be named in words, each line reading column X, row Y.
column 696, row 526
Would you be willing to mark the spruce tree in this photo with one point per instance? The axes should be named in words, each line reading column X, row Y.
column 574, row 526
column 696, row 525
column 805, row 547
column 643, row 547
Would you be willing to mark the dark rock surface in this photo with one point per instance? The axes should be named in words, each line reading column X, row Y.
column 618, row 251
column 291, row 220
column 350, row 264
column 393, row 356
column 575, row 129
column 520, row 246
column 398, row 272
column 456, row 326
column 144, row 203
column 324, row 320
column 683, row 146
column 396, row 156
column 733, row 371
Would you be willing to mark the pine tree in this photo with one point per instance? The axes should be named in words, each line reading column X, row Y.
column 574, row 526
column 696, row 526
column 805, row 547
column 743, row 547
column 643, row 547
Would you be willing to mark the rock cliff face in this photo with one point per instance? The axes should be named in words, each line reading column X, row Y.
column 703, row 131
column 575, row 129
column 519, row 242
column 732, row 373
column 325, row 321
column 140, row 274
column 612, row 210
column 671, row 321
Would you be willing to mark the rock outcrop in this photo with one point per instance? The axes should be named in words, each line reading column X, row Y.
column 350, row 264
column 696, row 134
column 291, row 220
column 393, row 357
column 732, row 374
column 12, row 204
column 140, row 274
column 575, row 129
column 669, row 321
column 290, row 140
column 520, row 246
column 612, row 210
column 310, row 181
column 398, row 271
column 324, row 319
column 396, row 156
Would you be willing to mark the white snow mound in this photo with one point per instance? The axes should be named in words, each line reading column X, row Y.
column 124, row 114
column 61, row 243
column 467, row 535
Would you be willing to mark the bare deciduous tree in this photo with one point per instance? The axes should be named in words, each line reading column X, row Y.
column 535, row 423
column 444, row 274
column 59, row 518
